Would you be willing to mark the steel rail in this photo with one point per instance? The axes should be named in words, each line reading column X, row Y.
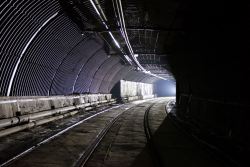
column 92, row 147
column 146, row 123
column 96, row 142
column 153, row 151
column 35, row 146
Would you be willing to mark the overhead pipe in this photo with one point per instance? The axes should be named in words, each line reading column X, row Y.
column 26, row 118
column 125, row 35
column 96, row 5
column 29, row 117
column 32, row 123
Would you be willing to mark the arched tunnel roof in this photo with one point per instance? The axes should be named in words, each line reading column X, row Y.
column 61, row 47
column 43, row 52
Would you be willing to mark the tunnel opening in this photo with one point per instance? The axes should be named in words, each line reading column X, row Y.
column 126, row 91
column 165, row 88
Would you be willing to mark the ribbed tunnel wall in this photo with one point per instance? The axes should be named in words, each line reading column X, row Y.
column 44, row 53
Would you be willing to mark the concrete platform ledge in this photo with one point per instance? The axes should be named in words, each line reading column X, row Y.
column 19, row 113
column 17, row 106
column 133, row 98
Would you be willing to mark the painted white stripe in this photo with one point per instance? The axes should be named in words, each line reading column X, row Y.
column 24, row 50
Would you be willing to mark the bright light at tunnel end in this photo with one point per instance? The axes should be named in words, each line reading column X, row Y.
column 166, row 88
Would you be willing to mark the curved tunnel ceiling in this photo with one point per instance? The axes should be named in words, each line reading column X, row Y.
column 43, row 52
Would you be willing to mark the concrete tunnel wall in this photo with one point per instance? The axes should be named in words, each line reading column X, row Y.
column 44, row 53
column 209, row 60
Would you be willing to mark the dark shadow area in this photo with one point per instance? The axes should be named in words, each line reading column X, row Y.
column 222, row 126
column 116, row 91
column 144, row 158
column 175, row 147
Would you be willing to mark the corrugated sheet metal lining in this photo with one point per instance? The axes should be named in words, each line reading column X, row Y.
column 43, row 52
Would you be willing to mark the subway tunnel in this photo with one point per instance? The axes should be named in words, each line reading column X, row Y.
column 59, row 58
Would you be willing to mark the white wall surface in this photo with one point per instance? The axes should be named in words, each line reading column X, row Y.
column 129, row 88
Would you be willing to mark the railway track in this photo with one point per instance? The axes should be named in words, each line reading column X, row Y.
column 122, row 132
column 93, row 146
column 148, row 132
column 48, row 139
column 89, row 151
column 146, row 123
column 114, row 139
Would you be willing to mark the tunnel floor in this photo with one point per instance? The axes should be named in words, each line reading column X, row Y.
column 64, row 143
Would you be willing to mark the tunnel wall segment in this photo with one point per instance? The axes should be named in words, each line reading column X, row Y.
column 44, row 53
